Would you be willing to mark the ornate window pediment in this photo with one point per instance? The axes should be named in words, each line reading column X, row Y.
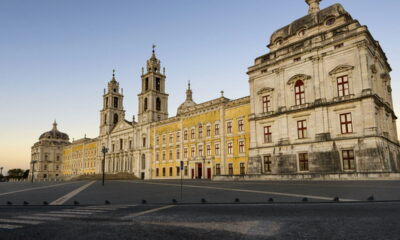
column 265, row 90
column 341, row 68
column 297, row 77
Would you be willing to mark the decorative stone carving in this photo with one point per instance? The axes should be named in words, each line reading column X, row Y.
column 297, row 77
column 265, row 90
column 341, row 68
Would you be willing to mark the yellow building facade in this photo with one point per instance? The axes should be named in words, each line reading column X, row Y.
column 79, row 158
column 210, row 139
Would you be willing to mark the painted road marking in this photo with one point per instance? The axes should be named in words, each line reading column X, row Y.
column 61, row 215
column 253, row 191
column 9, row 226
column 127, row 217
column 84, row 210
column 35, row 188
column 71, row 212
column 70, row 195
column 20, row 221
column 39, row 218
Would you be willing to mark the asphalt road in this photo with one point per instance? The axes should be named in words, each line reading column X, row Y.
column 251, row 216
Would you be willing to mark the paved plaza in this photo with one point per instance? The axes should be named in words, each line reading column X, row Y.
column 205, row 209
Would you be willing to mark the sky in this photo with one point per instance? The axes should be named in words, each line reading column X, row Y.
column 57, row 56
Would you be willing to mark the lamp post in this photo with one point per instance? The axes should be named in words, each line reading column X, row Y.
column 33, row 169
column 104, row 150
column 1, row 170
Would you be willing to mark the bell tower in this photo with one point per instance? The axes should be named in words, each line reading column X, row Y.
column 113, row 110
column 153, row 101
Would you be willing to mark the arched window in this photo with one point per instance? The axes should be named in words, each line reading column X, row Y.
column 158, row 84
column 143, row 161
column 145, row 105
column 158, row 104
column 299, row 92
column 115, row 118
column 105, row 118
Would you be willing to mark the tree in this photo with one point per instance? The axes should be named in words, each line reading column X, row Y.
column 26, row 173
column 15, row 173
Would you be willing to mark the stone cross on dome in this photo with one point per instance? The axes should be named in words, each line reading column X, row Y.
column 313, row 6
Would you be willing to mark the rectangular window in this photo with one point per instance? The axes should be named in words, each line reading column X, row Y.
column 178, row 171
column 230, row 148
column 208, row 131
column 121, row 144
column 192, row 134
column 267, row 163
column 343, row 86
column 229, row 127
column 266, row 104
column 230, row 168
column 267, row 134
column 163, row 155
column 186, row 170
column 185, row 135
column 242, row 169
column 200, row 131
column 303, row 161
column 200, row 147
column 217, row 149
column 171, row 137
column 157, row 140
column 170, row 154
column 170, row 171
column 144, row 142
column 240, row 125
column 163, row 172
column 346, row 124
column 192, row 152
column 163, row 139
column 157, row 172
column 178, row 136
column 130, row 144
column 185, row 153
column 217, row 169
column 216, row 129
column 208, row 150
column 241, row 146
column 113, row 147
column 300, row 95
column 302, row 129
column 348, row 160
column 178, row 154
column 157, row 156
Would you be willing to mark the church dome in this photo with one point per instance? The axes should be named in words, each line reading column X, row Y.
column 54, row 134
column 188, row 102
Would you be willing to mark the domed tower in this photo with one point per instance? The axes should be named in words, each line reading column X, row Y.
column 153, row 101
column 188, row 102
column 113, row 110
column 47, row 154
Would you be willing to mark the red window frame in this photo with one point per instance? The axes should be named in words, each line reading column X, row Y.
column 302, row 129
column 303, row 161
column 185, row 153
column 185, row 135
column 217, row 169
column 192, row 134
column 299, row 92
column 343, row 86
column 346, row 123
column 200, row 149
column 208, row 131
column 267, row 134
column 200, row 131
column 266, row 103
column 208, row 150
column 192, row 152
column 348, row 160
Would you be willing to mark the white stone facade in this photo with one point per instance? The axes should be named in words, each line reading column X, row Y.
column 321, row 100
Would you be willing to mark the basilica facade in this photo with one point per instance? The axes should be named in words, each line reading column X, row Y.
column 320, row 106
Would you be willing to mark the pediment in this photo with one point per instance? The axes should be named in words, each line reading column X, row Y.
column 297, row 77
column 265, row 90
column 121, row 125
column 341, row 68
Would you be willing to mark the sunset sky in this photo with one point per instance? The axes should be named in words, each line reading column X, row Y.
column 57, row 56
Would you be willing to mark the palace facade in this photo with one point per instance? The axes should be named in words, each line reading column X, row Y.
column 320, row 105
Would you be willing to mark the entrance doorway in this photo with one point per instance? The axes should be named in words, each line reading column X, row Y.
column 208, row 173
column 192, row 173
column 142, row 176
column 199, row 170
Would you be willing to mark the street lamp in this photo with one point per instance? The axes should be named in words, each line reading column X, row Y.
column 104, row 150
column 1, row 171
column 33, row 169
